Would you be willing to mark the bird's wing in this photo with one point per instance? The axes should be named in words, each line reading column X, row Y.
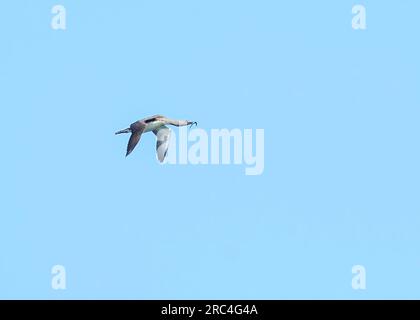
column 151, row 118
column 137, row 129
column 163, row 135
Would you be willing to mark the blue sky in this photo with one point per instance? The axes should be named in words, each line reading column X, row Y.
column 340, row 110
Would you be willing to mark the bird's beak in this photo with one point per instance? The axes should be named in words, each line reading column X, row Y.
column 191, row 123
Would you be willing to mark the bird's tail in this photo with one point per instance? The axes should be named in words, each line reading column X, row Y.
column 128, row 130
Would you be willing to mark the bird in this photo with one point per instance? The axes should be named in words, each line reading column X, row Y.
column 157, row 124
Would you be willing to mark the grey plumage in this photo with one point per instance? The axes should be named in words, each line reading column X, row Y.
column 156, row 124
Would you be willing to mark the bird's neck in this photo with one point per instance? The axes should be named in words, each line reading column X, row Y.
column 177, row 123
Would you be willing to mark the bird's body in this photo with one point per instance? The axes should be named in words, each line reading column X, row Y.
column 153, row 126
column 157, row 124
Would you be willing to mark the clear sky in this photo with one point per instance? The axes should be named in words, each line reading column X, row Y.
column 340, row 110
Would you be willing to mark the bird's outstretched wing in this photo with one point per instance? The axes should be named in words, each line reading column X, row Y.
column 137, row 129
column 163, row 135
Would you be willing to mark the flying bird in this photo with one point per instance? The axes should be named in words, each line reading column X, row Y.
column 157, row 124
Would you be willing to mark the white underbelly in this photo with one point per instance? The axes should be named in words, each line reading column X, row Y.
column 154, row 125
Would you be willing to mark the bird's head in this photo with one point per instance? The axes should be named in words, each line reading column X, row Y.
column 191, row 123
